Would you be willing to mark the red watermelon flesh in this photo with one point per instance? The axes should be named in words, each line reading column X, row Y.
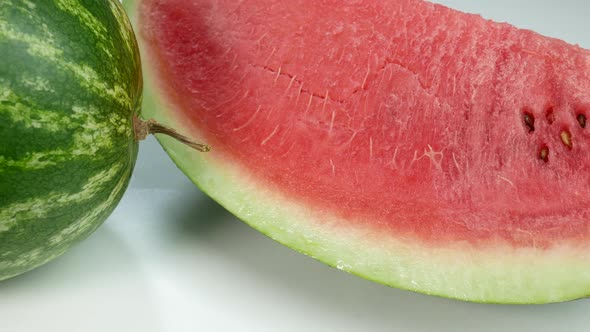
column 378, row 110
column 401, row 116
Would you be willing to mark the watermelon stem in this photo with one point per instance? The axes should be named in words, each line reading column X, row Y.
column 144, row 128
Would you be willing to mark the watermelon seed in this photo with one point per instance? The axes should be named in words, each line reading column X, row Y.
column 544, row 153
column 582, row 120
column 566, row 138
column 549, row 115
column 529, row 121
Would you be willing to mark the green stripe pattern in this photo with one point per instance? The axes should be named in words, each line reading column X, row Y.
column 70, row 84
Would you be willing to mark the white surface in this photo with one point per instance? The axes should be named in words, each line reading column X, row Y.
column 170, row 259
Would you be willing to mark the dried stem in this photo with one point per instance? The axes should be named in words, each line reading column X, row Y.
column 144, row 128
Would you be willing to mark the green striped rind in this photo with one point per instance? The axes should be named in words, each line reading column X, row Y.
column 498, row 273
column 70, row 82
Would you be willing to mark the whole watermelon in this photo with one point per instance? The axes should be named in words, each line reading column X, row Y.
column 70, row 87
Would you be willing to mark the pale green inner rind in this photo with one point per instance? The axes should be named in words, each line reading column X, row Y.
column 498, row 273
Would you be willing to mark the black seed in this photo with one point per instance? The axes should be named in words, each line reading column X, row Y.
column 582, row 120
column 544, row 153
column 529, row 121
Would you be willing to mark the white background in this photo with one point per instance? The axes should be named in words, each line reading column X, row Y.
column 170, row 259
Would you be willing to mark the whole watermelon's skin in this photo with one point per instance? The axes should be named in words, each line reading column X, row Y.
column 399, row 140
column 70, row 85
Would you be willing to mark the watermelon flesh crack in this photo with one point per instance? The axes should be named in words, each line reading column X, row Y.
column 400, row 140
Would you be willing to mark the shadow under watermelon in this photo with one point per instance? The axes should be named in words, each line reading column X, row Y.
column 75, row 291
column 362, row 304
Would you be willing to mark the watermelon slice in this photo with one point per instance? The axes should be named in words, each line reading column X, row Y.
column 399, row 140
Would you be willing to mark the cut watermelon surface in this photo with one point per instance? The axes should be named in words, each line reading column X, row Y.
column 399, row 140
